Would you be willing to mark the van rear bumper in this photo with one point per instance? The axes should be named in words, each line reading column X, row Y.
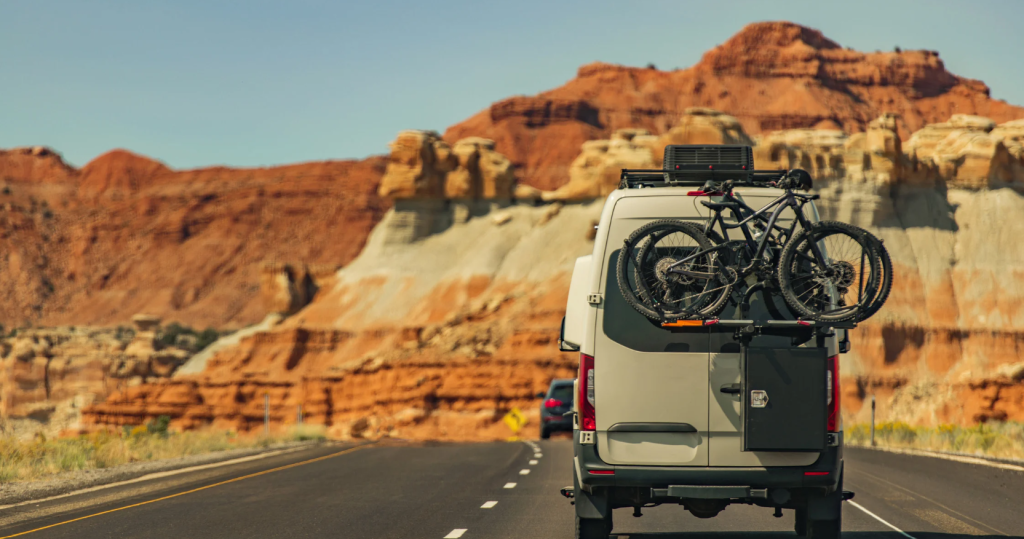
column 824, row 473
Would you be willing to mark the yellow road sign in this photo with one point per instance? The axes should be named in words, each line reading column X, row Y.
column 514, row 419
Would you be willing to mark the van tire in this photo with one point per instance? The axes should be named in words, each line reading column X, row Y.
column 593, row 528
column 800, row 523
column 825, row 529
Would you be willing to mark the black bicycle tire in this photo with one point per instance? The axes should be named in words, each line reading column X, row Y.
column 785, row 278
column 885, row 287
column 622, row 267
column 712, row 308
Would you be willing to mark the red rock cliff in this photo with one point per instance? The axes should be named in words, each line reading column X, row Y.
column 770, row 76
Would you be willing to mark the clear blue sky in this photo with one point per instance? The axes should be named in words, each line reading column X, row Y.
column 251, row 82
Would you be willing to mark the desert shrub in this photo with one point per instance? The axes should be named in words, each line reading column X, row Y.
column 159, row 425
column 994, row 439
column 168, row 336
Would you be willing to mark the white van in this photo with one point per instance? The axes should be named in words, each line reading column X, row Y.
column 663, row 414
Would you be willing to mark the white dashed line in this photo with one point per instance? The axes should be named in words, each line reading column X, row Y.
column 533, row 463
column 524, row 471
column 878, row 518
column 510, row 485
column 488, row 505
column 537, row 455
column 455, row 534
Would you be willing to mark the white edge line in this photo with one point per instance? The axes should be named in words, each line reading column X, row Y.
column 455, row 534
column 488, row 505
column 880, row 519
column 158, row 475
column 510, row 485
column 945, row 456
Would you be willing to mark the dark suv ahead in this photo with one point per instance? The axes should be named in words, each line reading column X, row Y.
column 557, row 401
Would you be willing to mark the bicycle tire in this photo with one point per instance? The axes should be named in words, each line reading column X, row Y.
column 635, row 250
column 885, row 286
column 805, row 281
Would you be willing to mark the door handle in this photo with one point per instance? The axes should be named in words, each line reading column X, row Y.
column 731, row 389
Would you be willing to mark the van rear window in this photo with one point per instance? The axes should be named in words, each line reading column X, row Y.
column 624, row 325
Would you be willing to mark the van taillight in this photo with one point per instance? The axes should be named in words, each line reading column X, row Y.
column 588, row 420
column 832, row 386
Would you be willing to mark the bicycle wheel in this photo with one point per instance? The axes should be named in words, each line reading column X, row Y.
column 653, row 281
column 885, row 286
column 839, row 288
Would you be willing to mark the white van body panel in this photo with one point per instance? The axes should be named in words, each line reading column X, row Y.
column 576, row 309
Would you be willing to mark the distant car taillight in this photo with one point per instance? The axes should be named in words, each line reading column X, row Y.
column 552, row 403
column 588, row 419
column 832, row 386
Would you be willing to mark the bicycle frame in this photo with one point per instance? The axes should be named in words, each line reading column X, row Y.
column 786, row 200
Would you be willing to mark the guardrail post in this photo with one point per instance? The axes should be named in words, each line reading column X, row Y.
column 299, row 415
column 872, row 421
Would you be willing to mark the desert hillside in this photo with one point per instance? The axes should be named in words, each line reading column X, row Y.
column 419, row 294
column 125, row 234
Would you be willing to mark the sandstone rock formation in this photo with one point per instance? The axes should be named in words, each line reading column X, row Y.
column 770, row 76
column 595, row 173
column 48, row 376
column 436, row 338
column 423, row 166
column 126, row 234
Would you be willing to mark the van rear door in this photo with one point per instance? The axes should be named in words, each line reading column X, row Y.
column 651, row 383
column 725, row 421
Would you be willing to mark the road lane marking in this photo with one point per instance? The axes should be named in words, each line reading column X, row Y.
column 880, row 519
column 510, row 485
column 455, row 534
column 279, row 468
column 158, row 475
column 524, row 471
column 926, row 498
column 533, row 462
column 488, row 505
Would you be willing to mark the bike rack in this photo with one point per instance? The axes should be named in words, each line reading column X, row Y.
column 744, row 331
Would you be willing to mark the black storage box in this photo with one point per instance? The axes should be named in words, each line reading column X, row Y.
column 784, row 399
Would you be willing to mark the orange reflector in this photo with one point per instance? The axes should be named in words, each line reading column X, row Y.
column 682, row 323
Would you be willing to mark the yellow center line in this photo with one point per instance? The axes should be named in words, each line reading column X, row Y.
column 332, row 455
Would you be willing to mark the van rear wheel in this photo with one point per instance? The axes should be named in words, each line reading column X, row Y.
column 593, row 528
column 825, row 529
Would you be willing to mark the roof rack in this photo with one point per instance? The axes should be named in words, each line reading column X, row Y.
column 638, row 178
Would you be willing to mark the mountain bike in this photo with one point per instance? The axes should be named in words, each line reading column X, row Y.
column 828, row 271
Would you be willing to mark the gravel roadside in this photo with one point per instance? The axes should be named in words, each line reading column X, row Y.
column 23, row 491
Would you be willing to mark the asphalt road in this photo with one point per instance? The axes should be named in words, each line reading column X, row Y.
column 398, row 490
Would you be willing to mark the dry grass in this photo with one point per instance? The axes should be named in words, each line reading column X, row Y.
column 1000, row 440
column 22, row 460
